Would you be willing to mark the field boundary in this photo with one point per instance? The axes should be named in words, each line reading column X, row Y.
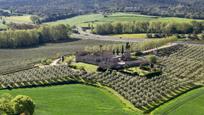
column 127, row 103
column 180, row 100
column 18, row 69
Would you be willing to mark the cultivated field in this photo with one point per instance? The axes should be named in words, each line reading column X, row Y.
column 84, row 20
column 182, row 71
column 15, row 58
column 190, row 103
column 74, row 100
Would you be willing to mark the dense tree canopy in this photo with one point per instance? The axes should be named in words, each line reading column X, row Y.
column 150, row 27
column 28, row 38
column 58, row 9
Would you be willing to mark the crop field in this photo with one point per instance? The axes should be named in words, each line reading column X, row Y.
column 190, row 103
column 84, row 20
column 135, row 89
column 13, row 58
column 74, row 100
column 185, row 63
column 182, row 71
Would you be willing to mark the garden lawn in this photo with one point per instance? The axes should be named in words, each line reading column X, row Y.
column 87, row 67
column 191, row 103
column 74, row 99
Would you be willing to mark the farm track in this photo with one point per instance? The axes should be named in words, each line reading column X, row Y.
column 106, row 38
column 87, row 35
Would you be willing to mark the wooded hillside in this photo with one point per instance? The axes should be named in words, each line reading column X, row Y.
column 53, row 10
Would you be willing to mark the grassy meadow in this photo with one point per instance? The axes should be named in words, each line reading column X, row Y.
column 74, row 99
column 85, row 20
column 15, row 19
column 19, row 19
column 190, row 103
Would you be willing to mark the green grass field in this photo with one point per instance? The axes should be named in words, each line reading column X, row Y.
column 87, row 67
column 191, row 103
column 84, row 20
column 19, row 19
column 15, row 19
column 74, row 99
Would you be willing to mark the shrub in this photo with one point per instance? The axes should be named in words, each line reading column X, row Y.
column 152, row 59
column 5, row 105
column 16, row 106
column 23, row 104
column 46, row 61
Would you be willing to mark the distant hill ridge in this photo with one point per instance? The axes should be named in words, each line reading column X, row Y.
column 65, row 8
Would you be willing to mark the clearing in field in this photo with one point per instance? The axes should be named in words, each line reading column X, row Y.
column 19, row 19
column 74, row 100
column 190, row 103
column 85, row 20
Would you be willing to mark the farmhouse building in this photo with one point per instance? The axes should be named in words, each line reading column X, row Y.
column 107, row 60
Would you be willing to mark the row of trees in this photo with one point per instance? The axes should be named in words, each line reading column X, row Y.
column 132, row 47
column 28, row 38
column 150, row 27
column 19, row 105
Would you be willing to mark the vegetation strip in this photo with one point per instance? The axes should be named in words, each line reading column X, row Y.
column 181, row 100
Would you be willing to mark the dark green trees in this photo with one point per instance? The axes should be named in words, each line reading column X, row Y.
column 28, row 38
column 161, row 28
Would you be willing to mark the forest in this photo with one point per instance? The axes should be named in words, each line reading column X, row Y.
column 54, row 10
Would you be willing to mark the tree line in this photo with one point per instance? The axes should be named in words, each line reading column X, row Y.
column 193, row 27
column 132, row 47
column 29, row 38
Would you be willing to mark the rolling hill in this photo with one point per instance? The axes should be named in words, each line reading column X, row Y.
column 53, row 10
